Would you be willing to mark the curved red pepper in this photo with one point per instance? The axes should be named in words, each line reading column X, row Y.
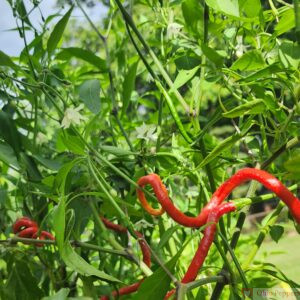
column 213, row 211
column 124, row 290
column 27, row 228
column 269, row 181
column 146, row 258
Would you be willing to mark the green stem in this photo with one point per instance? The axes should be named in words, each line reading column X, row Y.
column 264, row 231
column 163, row 72
column 242, row 202
column 74, row 243
column 105, row 233
column 110, row 75
column 194, row 284
column 226, row 263
column 173, row 112
column 236, row 262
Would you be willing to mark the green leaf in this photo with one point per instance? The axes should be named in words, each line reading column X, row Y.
column 276, row 232
column 229, row 7
column 212, row 55
column 293, row 165
column 128, row 85
column 62, row 294
column 263, row 73
column 21, row 284
column 251, row 107
column 251, row 60
column 61, row 177
column 68, row 255
column 89, row 93
column 58, row 31
column 224, row 145
column 50, row 164
column 193, row 14
column 286, row 22
column 184, row 76
column 250, row 8
column 9, row 132
column 157, row 285
column 7, row 155
column 86, row 55
column 73, row 143
column 5, row 60
column 166, row 236
column 21, row 9
column 30, row 166
column 289, row 54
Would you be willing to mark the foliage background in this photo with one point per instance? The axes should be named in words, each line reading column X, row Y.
column 192, row 90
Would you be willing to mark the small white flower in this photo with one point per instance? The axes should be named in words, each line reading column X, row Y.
column 72, row 116
column 146, row 132
column 41, row 138
column 173, row 30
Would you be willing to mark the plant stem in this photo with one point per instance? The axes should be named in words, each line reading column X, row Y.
column 129, row 21
column 242, row 202
column 110, row 75
column 194, row 284
column 236, row 262
column 74, row 243
column 264, row 231
column 105, row 233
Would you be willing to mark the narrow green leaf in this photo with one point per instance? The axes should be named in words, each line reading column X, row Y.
column 184, row 76
column 68, row 255
column 157, row 285
column 193, row 14
column 61, row 177
column 89, row 93
column 86, row 55
column 5, row 60
column 9, row 132
column 21, row 9
column 51, row 164
column 128, row 85
column 166, row 236
column 251, row 107
column 58, row 31
column 289, row 54
column 263, row 73
column 7, row 155
column 286, row 22
column 62, row 294
column 223, row 146
column 251, row 60
column 212, row 55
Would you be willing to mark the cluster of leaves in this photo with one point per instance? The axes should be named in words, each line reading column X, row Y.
column 192, row 90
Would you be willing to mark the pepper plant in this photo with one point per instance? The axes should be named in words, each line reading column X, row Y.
column 194, row 91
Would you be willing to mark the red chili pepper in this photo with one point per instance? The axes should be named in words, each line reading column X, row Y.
column 146, row 258
column 124, row 290
column 23, row 222
column 213, row 211
column 26, row 228
column 269, row 181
